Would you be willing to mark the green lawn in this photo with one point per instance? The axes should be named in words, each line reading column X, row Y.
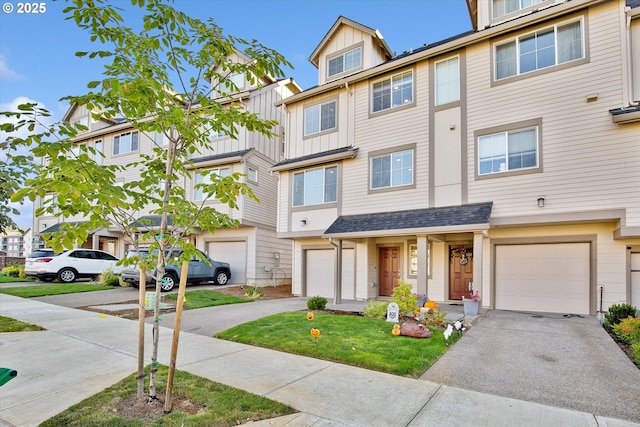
column 53, row 289
column 207, row 298
column 206, row 404
column 10, row 279
column 8, row 324
column 351, row 340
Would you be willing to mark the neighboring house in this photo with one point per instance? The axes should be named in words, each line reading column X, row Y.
column 255, row 253
column 506, row 159
column 12, row 243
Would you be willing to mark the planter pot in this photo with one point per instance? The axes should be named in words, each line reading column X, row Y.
column 470, row 307
column 421, row 302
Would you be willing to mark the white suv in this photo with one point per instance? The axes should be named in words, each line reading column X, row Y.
column 74, row 264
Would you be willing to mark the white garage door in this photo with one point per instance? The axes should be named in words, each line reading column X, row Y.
column 320, row 273
column 543, row 277
column 235, row 253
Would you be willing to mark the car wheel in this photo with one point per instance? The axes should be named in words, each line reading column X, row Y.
column 67, row 275
column 167, row 283
column 222, row 278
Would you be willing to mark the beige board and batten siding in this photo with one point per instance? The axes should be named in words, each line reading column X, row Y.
column 265, row 189
column 447, row 176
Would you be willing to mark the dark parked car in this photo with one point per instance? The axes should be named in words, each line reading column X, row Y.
column 199, row 272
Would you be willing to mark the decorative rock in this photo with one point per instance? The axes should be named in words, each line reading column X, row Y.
column 416, row 330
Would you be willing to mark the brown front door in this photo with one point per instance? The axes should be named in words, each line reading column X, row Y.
column 389, row 270
column 460, row 270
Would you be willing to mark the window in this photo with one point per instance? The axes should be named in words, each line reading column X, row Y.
column 315, row 186
column 508, row 151
column 319, row 118
column 394, row 92
column 160, row 139
column 252, row 174
column 345, row 62
column 97, row 156
column 504, row 7
column 220, row 132
column 544, row 48
column 203, row 179
column 392, row 170
column 238, row 80
column 125, row 143
column 413, row 259
column 447, row 81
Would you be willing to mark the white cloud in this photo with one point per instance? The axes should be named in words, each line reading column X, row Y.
column 6, row 73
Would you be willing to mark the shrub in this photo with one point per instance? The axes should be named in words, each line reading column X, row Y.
column 435, row 318
column 628, row 330
column 12, row 270
column 635, row 349
column 317, row 303
column 376, row 309
column 109, row 278
column 254, row 292
column 404, row 297
column 617, row 313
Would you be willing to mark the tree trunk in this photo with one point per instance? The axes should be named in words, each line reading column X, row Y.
column 141, row 314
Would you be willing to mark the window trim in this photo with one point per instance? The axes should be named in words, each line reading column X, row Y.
column 120, row 153
column 390, row 78
column 194, row 183
column 320, row 132
column 390, row 151
column 342, row 53
column 520, row 10
column 583, row 18
column 511, row 127
column 324, row 204
column 414, row 244
column 435, row 80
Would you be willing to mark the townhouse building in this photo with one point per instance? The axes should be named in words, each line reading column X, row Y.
column 255, row 253
column 504, row 160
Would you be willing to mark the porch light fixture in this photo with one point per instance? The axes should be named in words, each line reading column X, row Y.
column 541, row 202
column 303, row 222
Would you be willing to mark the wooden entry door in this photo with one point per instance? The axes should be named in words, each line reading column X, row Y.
column 389, row 270
column 460, row 270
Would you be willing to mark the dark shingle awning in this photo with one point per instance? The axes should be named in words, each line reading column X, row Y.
column 56, row 227
column 317, row 159
column 431, row 220
column 149, row 221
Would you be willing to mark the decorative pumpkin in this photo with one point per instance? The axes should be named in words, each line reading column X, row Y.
column 396, row 330
column 310, row 316
column 315, row 332
column 431, row 304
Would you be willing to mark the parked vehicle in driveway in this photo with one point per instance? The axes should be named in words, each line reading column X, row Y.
column 74, row 264
column 30, row 261
column 200, row 271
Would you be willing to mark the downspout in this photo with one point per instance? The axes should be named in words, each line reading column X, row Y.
column 337, row 274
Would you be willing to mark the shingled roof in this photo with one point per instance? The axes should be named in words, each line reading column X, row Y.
column 431, row 218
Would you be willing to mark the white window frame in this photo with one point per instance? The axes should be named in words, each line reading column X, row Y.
column 447, row 84
column 199, row 178
column 515, row 57
column 347, row 62
column 391, row 93
column 239, row 80
column 394, row 158
column 133, row 143
column 503, row 137
column 307, row 187
column 413, row 259
column 252, row 174
column 315, row 114
column 98, row 147
column 496, row 5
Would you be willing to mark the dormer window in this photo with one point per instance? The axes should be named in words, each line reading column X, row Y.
column 345, row 61
column 238, row 80
column 505, row 7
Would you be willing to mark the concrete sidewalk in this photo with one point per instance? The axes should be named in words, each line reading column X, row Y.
column 81, row 353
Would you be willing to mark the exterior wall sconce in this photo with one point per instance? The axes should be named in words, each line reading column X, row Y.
column 541, row 202
column 303, row 222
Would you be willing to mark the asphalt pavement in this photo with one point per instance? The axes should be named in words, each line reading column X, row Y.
column 81, row 353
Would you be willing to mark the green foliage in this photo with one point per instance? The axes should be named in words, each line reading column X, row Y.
column 628, row 330
column 618, row 312
column 435, row 318
column 635, row 349
column 376, row 309
column 109, row 278
column 8, row 324
column 254, row 292
column 317, row 303
column 403, row 296
column 15, row 270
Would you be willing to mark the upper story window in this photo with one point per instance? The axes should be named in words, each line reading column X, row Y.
column 447, row 81
column 252, row 174
column 125, row 143
column 97, row 155
column 392, row 170
column 544, row 48
column 508, row 151
column 346, row 61
column 320, row 118
column 203, row 179
column 393, row 92
column 315, row 186
column 238, row 80
column 505, row 7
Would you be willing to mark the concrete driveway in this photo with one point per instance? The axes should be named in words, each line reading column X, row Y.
column 553, row 359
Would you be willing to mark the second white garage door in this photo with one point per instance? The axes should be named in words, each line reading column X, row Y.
column 235, row 253
column 320, row 273
column 543, row 277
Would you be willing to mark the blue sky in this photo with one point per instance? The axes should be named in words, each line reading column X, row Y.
column 37, row 61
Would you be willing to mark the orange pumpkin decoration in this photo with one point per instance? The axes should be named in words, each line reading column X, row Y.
column 310, row 316
column 396, row 330
column 431, row 304
column 315, row 332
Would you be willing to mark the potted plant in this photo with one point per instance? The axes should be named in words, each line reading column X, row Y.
column 422, row 298
column 471, row 304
